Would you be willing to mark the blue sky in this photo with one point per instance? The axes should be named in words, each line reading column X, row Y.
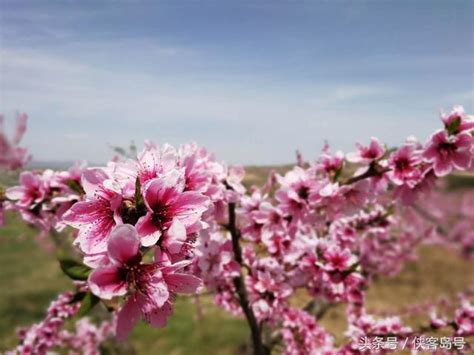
column 252, row 81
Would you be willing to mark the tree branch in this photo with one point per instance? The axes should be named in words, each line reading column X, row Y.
column 430, row 218
column 239, row 283
column 373, row 170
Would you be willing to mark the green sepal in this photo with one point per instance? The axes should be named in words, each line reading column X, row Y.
column 453, row 127
column 88, row 302
column 74, row 269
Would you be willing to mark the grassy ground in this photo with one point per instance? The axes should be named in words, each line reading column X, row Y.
column 30, row 279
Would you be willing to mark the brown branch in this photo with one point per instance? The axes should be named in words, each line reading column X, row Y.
column 317, row 308
column 430, row 218
column 373, row 170
column 239, row 283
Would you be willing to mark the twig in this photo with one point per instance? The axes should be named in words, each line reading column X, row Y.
column 373, row 170
column 430, row 218
column 318, row 309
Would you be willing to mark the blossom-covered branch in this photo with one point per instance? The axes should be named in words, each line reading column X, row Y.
column 12, row 156
column 176, row 221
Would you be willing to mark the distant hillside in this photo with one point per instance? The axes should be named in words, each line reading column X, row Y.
column 255, row 175
column 55, row 165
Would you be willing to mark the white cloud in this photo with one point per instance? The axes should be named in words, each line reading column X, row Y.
column 36, row 80
column 247, row 122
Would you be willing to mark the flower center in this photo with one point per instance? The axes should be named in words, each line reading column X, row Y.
column 303, row 192
column 402, row 164
column 161, row 216
column 139, row 276
column 130, row 212
column 446, row 148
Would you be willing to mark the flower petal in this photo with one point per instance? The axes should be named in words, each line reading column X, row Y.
column 15, row 193
column 189, row 207
column 28, row 179
column 159, row 316
column 105, row 282
column 442, row 167
column 91, row 179
column 127, row 317
column 462, row 160
column 156, row 194
column 123, row 244
column 176, row 236
column 158, row 292
column 148, row 232
column 182, row 283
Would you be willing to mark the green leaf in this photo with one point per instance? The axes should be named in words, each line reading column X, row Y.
column 74, row 269
column 75, row 186
column 88, row 302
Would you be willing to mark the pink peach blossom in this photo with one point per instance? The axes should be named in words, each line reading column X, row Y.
column 12, row 156
column 30, row 192
column 328, row 162
column 148, row 286
column 98, row 214
column 171, row 211
column 457, row 120
column 367, row 154
column 447, row 153
column 403, row 164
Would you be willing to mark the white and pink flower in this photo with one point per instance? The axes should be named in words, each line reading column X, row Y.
column 148, row 286
column 449, row 152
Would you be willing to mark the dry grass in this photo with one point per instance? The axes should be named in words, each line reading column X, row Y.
column 437, row 273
